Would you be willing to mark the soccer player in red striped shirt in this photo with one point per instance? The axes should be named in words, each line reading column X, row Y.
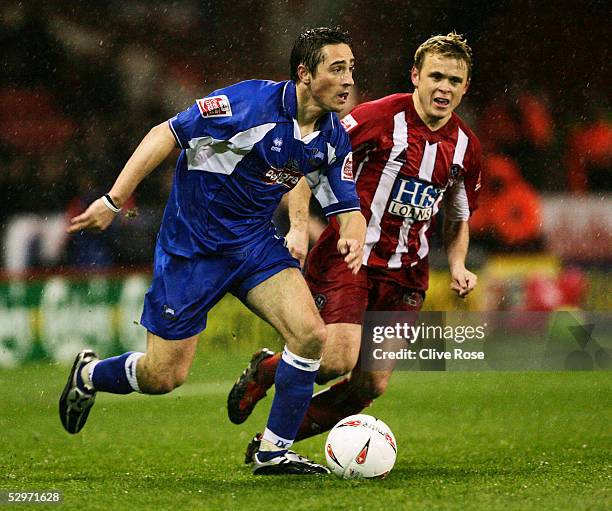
column 412, row 156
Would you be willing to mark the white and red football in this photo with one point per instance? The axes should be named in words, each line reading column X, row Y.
column 360, row 446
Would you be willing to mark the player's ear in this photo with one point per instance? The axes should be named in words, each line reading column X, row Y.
column 414, row 76
column 467, row 86
column 304, row 74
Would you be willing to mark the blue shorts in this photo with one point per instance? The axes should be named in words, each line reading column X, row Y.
column 184, row 289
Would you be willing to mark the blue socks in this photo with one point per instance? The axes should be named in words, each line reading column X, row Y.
column 117, row 374
column 294, row 383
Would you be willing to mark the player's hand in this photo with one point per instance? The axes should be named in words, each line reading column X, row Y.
column 296, row 242
column 463, row 281
column 96, row 217
column 353, row 250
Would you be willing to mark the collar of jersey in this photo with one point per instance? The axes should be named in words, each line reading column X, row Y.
column 326, row 123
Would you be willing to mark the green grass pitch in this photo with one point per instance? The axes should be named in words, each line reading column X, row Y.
column 466, row 441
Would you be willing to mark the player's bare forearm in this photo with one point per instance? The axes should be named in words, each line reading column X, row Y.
column 155, row 147
column 298, row 205
column 456, row 243
column 298, row 209
column 352, row 238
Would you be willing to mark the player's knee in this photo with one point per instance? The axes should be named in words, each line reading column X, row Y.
column 372, row 386
column 319, row 334
column 378, row 388
column 313, row 339
column 160, row 385
column 163, row 382
column 333, row 368
column 180, row 376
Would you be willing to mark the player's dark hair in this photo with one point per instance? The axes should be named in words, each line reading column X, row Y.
column 307, row 47
column 450, row 45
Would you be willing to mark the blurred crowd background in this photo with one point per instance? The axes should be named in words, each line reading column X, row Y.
column 82, row 82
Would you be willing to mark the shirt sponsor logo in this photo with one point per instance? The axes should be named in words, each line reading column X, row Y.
column 348, row 123
column 347, row 168
column 287, row 176
column 413, row 199
column 216, row 106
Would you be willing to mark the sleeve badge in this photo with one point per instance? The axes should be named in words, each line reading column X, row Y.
column 215, row 106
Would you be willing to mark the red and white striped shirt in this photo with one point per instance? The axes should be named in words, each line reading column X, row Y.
column 403, row 172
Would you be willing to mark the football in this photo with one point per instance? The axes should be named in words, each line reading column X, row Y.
column 360, row 446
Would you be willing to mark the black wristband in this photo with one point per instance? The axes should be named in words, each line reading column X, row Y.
column 108, row 202
column 112, row 203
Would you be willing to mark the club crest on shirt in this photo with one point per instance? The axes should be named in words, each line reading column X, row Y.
column 215, row 106
column 317, row 157
column 348, row 123
column 456, row 172
column 413, row 198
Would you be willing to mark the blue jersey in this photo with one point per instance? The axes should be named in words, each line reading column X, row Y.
column 241, row 152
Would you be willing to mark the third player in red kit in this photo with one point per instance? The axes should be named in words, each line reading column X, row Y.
column 412, row 156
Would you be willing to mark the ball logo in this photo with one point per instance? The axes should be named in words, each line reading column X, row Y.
column 352, row 424
column 363, row 454
column 331, row 454
column 390, row 441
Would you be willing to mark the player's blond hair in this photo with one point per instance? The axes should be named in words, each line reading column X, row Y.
column 451, row 45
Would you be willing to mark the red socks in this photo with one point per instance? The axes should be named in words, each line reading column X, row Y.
column 328, row 407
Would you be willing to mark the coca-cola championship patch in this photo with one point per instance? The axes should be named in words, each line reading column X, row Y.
column 347, row 168
column 215, row 106
column 348, row 122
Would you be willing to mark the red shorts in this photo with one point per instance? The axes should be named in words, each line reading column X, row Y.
column 342, row 297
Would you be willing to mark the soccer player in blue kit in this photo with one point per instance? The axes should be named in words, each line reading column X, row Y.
column 243, row 147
